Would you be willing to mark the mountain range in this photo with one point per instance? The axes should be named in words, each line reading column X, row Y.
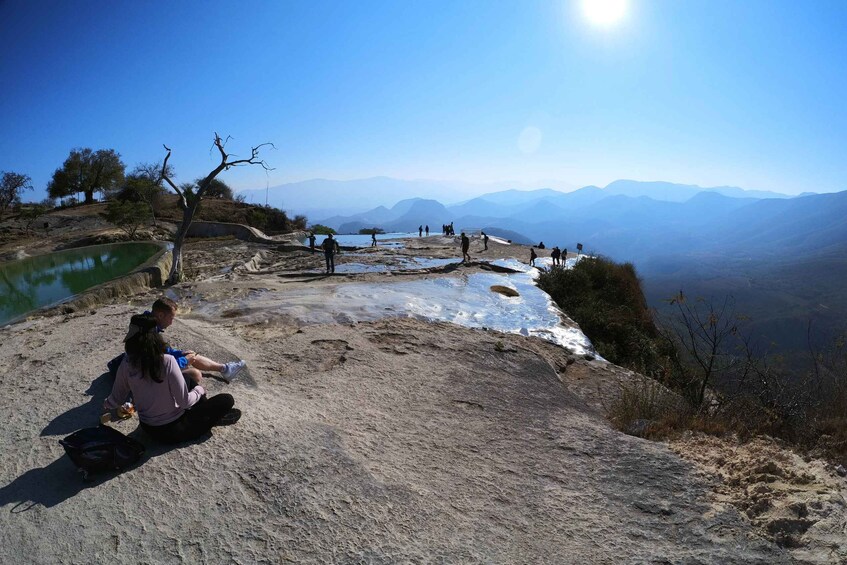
column 783, row 259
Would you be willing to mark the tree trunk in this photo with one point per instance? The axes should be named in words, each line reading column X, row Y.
column 89, row 196
column 175, row 275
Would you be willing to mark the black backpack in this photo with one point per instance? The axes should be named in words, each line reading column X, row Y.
column 101, row 449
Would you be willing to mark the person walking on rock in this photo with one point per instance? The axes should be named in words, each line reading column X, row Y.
column 532, row 256
column 555, row 255
column 466, row 245
column 485, row 241
column 373, row 238
column 330, row 247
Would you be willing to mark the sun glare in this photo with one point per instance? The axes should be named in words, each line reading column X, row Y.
column 604, row 12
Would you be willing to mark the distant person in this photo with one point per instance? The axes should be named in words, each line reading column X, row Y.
column 452, row 231
column 330, row 247
column 426, row 230
column 312, row 241
column 485, row 241
column 420, row 231
column 168, row 411
column 466, row 245
column 555, row 254
column 532, row 256
column 564, row 257
column 541, row 245
column 373, row 238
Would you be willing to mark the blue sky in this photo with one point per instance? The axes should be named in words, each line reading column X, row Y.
column 742, row 93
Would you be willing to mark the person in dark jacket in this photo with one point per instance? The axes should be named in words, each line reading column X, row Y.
column 330, row 247
column 466, row 245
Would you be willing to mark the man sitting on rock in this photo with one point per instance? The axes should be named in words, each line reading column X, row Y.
column 190, row 363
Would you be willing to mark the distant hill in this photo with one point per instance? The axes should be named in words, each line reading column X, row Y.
column 784, row 259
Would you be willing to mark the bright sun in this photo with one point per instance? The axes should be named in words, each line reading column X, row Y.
column 604, row 12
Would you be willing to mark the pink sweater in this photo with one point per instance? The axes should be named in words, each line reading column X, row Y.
column 157, row 403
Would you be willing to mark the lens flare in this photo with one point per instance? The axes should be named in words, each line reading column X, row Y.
column 604, row 12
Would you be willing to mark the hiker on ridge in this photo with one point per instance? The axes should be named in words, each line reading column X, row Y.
column 466, row 245
column 555, row 255
column 330, row 247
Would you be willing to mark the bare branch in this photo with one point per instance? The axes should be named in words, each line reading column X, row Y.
column 164, row 174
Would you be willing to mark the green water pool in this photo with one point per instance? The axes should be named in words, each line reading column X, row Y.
column 35, row 282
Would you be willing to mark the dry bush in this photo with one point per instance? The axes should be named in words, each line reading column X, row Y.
column 645, row 408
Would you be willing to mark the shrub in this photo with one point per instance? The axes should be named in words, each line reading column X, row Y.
column 321, row 229
column 128, row 216
column 606, row 300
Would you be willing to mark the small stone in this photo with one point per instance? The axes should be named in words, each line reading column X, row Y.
column 842, row 472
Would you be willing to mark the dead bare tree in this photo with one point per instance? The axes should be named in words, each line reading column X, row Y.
column 701, row 336
column 190, row 198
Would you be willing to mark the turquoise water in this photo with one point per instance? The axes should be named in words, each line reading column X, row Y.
column 29, row 284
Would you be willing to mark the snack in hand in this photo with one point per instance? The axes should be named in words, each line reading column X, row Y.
column 126, row 410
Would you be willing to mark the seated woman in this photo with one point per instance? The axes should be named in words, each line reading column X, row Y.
column 166, row 408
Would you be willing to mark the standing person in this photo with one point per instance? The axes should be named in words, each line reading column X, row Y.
column 166, row 408
column 373, row 238
column 532, row 256
column 330, row 247
column 420, row 231
column 564, row 258
column 555, row 255
column 312, row 241
column 426, row 230
column 466, row 245
column 485, row 240
column 452, row 231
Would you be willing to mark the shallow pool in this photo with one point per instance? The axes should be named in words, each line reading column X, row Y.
column 35, row 282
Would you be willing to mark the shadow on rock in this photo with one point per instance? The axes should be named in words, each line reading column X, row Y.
column 60, row 480
column 85, row 415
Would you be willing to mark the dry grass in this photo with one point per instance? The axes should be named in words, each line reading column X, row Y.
column 645, row 408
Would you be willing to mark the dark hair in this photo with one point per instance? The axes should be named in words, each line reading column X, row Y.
column 164, row 304
column 145, row 348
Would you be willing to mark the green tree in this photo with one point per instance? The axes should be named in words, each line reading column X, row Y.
column 321, row 229
column 144, row 184
column 217, row 189
column 11, row 186
column 126, row 215
column 88, row 171
column 191, row 195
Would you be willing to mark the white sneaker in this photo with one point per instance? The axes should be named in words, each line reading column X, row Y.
column 232, row 369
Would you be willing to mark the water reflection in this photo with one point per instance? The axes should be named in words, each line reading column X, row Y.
column 35, row 282
column 466, row 300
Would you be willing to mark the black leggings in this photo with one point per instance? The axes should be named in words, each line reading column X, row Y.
column 194, row 422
